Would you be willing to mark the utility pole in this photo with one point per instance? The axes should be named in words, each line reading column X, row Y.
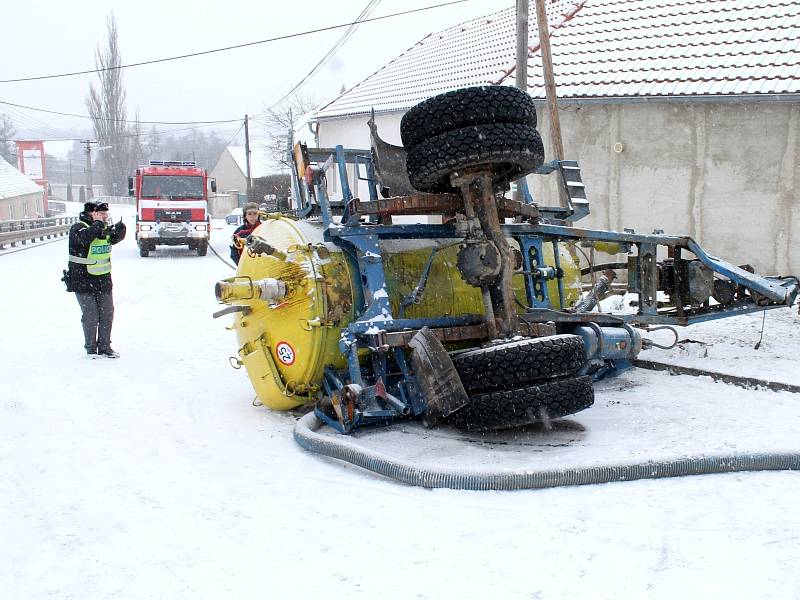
column 89, row 190
column 247, row 160
column 552, row 99
column 521, row 81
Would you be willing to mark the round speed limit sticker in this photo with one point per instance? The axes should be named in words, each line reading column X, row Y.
column 285, row 353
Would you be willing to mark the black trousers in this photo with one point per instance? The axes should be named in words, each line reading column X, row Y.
column 97, row 310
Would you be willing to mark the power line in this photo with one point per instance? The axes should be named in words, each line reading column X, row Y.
column 31, row 122
column 64, row 114
column 226, row 48
column 235, row 133
column 142, row 134
column 350, row 30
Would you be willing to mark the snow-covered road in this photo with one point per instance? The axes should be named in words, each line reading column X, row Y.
column 153, row 476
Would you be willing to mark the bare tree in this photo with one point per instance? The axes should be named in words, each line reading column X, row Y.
column 152, row 145
column 106, row 106
column 280, row 119
column 202, row 147
column 137, row 150
column 7, row 133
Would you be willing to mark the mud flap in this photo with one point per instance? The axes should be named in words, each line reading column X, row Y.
column 436, row 377
column 390, row 163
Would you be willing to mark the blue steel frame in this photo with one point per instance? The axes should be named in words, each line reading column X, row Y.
column 362, row 246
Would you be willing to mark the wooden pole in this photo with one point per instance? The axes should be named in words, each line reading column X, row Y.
column 550, row 91
column 247, row 159
column 521, row 81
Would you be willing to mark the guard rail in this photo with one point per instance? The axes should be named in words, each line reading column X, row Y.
column 31, row 230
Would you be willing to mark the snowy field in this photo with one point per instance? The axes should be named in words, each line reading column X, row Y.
column 153, row 476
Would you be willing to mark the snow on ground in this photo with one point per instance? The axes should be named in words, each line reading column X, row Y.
column 153, row 476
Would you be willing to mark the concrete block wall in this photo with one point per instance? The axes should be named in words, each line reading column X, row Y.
column 725, row 173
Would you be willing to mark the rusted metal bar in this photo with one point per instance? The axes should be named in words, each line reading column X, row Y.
column 396, row 339
column 512, row 208
column 486, row 209
column 408, row 205
column 444, row 204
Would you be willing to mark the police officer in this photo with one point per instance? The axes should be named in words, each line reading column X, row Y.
column 89, row 275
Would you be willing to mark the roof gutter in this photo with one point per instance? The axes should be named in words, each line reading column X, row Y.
column 732, row 98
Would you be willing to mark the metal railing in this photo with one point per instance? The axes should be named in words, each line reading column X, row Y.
column 115, row 199
column 31, row 230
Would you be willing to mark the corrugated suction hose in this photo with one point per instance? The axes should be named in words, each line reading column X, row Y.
column 345, row 449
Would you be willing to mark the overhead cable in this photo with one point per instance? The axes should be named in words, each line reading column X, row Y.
column 226, row 48
column 65, row 114
column 362, row 17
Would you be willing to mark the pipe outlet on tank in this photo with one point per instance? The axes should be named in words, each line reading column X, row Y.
column 243, row 288
column 259, row 246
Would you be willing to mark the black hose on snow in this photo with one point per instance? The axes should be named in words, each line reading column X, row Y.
column 344, row 449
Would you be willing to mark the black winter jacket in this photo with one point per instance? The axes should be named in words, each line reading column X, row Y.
column 242, row 231
column 80, row 238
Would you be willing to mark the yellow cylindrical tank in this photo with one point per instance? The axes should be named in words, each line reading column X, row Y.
column 300, row 298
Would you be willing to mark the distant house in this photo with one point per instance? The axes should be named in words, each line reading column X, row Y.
column 684, row 114
column 20, row 197
column 230, row 170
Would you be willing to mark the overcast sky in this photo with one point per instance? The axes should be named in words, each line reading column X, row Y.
column 43, row 37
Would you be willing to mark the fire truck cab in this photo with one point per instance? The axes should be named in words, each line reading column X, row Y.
column 171, row 205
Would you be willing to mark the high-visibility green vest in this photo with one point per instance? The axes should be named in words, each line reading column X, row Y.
column 100, row 252
column 98, row 259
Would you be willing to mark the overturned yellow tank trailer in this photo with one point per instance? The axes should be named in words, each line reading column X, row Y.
column 294, row 300
column 482, row 317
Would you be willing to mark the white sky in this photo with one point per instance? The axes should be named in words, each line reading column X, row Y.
column 51, row 36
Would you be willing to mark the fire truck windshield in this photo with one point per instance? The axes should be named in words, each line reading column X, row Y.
column 178, row 186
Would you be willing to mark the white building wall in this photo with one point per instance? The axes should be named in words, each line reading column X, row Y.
column 25, row 206
column 228, row 175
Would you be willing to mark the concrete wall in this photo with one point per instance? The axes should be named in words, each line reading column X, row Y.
column 220, row 205
column 60, row 191
column 725, row 173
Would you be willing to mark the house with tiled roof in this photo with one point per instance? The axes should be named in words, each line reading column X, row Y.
column 230, row 169
column 20, row 197
column 230, row 173
column 684, row 114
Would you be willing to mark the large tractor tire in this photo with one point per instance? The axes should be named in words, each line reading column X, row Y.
column 463, row 108
column 507, row 150
column 520, row 362
column 540, row 402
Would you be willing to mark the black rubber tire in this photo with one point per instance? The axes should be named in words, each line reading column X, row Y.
column 144, row 250
column 202, row 248
column 465, row 107
column 520, row 362
column 525, row 406
column 508, row 150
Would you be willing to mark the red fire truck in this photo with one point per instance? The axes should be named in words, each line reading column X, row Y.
column 171, row 205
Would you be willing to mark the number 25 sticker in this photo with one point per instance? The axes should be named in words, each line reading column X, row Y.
column 285, row 353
